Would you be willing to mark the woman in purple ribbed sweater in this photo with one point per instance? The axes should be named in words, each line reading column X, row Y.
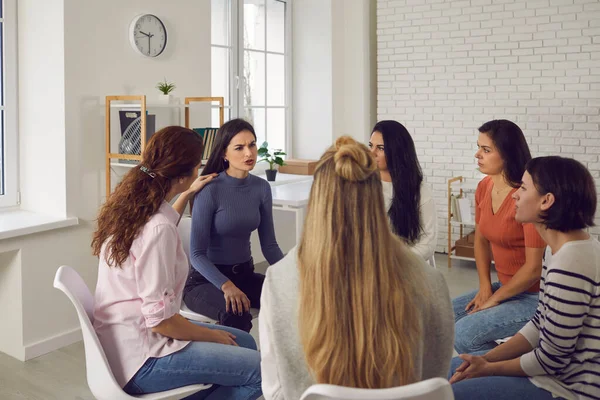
column 222, row 283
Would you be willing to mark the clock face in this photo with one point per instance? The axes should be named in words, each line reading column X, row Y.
column 148, row 35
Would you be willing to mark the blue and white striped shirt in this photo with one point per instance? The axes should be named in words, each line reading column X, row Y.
column 565, row 330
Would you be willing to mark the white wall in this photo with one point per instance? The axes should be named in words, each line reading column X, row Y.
column 312, row 105
column 445, row 67
column 69, row 67
column 41, row 91
column 354, row 66
column 334, row 73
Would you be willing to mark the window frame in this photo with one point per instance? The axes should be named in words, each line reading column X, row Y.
column 10, row 198
column 236, row 68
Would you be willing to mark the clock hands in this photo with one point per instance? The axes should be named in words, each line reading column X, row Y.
column 149, row 36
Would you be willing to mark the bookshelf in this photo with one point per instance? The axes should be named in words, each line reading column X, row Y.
column 138, row 102
column 460, row 186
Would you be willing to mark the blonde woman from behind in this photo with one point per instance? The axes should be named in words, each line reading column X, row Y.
column 352, row 305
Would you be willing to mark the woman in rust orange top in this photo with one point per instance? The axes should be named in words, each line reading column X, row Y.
column 500, row 309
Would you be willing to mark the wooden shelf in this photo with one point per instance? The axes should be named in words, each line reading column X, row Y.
column 122, row 165
column 471, row 186
column 452, row 256
column 460, row 185
column 457, row 223
column 127, row 165
column 154, row 105
column 139, row 102
column 455, row 257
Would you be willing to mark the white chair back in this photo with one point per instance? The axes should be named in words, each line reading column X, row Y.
column 431, row 389
column 185, row 233
column 100, row 378
column 431, row 261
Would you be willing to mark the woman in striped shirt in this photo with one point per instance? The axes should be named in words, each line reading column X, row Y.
column 557, row 354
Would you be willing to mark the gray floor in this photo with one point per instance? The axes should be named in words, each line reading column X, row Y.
column 60, row 375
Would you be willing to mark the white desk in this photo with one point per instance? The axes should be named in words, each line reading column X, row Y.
column 293, row 197
column 284, row 179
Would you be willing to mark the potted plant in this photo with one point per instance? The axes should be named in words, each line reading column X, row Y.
column 271, row 159
column 165, row 88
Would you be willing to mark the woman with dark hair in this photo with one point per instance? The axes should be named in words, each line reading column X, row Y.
column 557, row 354
column 498, row 310
column 408, row 200
column 142, row 271
column 222, row 283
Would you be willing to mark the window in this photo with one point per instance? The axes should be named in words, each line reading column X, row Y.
column 250, row 65
column 8, row 103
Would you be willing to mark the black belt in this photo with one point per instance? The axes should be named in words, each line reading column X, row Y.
column 236, row 269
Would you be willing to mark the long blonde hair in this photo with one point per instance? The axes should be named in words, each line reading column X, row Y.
column 358, row 322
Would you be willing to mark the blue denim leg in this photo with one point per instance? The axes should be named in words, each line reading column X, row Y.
column 477, row 332
column 233, row 371
column 496, row 387
column 459, row 303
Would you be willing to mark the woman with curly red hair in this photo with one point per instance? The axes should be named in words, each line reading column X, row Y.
column 142, row 272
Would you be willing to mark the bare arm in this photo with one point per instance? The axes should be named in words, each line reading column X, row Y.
column 483, row 259
column 514, row 348
column 179, row 328
column 181, row 202
column 477, row 366
column 188, row 195
column 504, row 360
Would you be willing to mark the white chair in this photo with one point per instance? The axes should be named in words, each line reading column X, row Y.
column 431, row 261
column 185, row 231
column 100, row 378
column 431, row 389
column 194, row 316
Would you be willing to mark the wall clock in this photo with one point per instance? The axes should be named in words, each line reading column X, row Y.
column 148, row 35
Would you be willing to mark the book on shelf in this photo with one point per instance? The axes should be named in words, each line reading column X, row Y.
column 464, row 207
column 461, row 209
column 208, row 138
column 454, row 208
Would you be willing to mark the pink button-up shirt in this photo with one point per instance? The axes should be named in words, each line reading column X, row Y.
column 146, row 290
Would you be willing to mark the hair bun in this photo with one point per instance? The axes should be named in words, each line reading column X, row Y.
column 352, row 160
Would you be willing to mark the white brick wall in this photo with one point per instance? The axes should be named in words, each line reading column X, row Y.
column 444, row 67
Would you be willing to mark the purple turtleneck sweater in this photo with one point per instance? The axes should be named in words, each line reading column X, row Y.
column 225, row 213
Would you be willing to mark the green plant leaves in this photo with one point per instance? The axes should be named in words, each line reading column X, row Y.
column 263, row 152
column 165, row 87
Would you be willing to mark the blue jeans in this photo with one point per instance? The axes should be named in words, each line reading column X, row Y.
column 496, row 387
column 233, row 371
column 477, row 332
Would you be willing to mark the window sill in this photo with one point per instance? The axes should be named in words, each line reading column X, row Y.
column 19, row 223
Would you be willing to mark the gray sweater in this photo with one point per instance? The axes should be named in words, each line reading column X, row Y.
column 284, row 371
